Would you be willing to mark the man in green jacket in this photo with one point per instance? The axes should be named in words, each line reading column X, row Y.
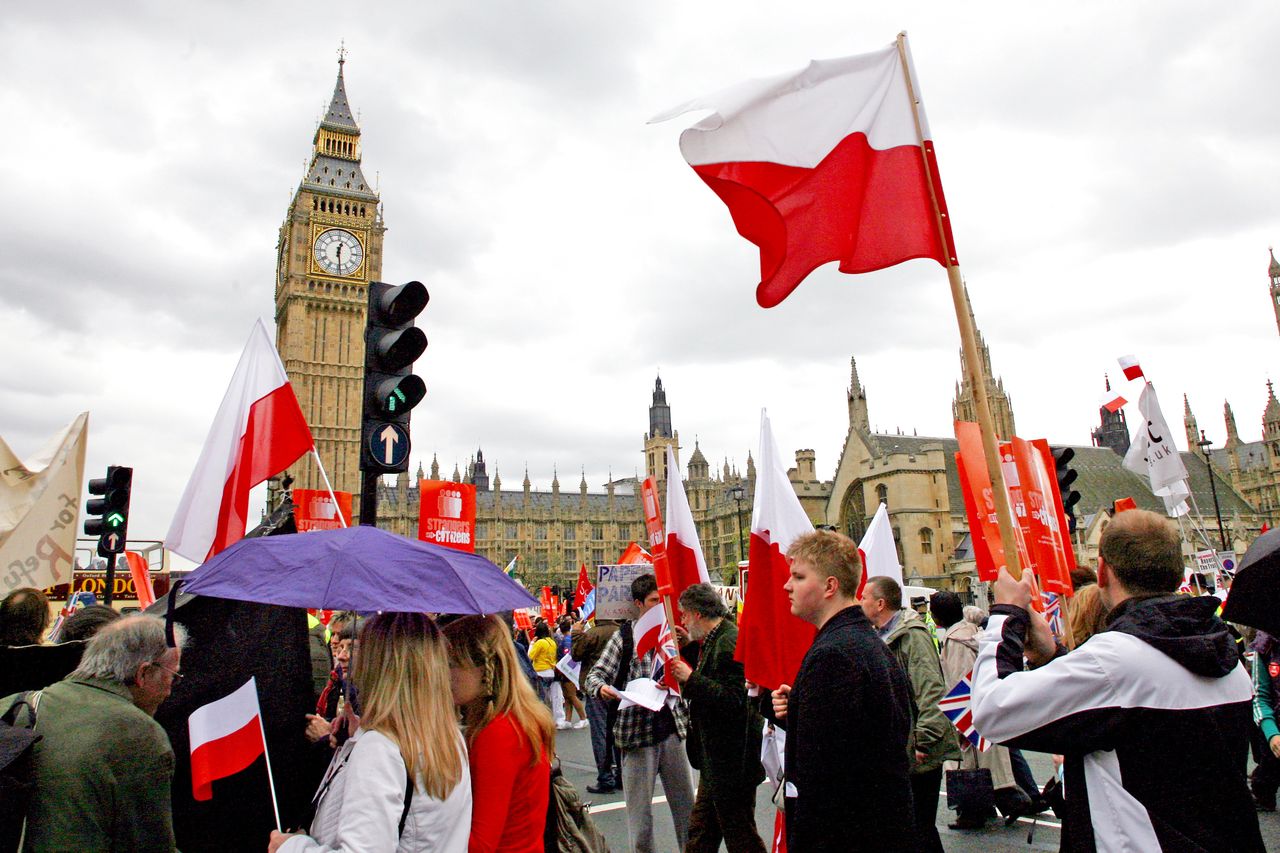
column 934, row 738
column 104, row 768
column 724, row 730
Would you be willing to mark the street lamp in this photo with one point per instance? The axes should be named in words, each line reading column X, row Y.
column 738, row 494
column 1204, row 444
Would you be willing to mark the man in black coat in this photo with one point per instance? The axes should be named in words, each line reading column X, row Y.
column 847, row 717
column 724, row 730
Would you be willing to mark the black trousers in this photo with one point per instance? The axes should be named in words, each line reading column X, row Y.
column 728, row 815
column 925, row 788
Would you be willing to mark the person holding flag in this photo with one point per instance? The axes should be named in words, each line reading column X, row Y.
column 651, row 742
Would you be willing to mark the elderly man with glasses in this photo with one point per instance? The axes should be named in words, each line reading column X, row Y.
column 104, row 767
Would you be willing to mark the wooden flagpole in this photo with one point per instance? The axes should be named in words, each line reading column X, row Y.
column 968, row 342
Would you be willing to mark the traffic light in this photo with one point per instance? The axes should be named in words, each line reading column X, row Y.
column 111, row 524
column 1067, row 475
column 392, row 343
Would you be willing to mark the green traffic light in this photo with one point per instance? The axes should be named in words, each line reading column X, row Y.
column 114, row 520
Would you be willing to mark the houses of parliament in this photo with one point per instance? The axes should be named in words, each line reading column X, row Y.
column 330, row 248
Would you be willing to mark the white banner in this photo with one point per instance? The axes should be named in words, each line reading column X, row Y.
column 39, row 508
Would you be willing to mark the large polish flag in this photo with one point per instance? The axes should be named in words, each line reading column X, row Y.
column 824, row 164
column 772, row 642
column 258, row 432
column 684, row 551
column 226, row 737
column 878, row 551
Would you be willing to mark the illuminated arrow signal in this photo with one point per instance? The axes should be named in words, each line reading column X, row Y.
column 115, row 519
column 113, row 543
column 389, row 437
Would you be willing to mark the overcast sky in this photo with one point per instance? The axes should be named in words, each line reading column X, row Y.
column 1111, row 171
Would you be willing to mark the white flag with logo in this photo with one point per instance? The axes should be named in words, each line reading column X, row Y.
column 1153, row 455
column 39, row 508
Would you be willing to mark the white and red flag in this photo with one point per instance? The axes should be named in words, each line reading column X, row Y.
column 652, row 633
column 1129, row 364
column 824, row 164
column 258, row 432
column 878, row 551
column 772, row 642
column 684, row 551
column 226, row 737
column 583, row 589
column 1153, row 455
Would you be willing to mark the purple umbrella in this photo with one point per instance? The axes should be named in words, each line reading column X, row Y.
column 358, row 568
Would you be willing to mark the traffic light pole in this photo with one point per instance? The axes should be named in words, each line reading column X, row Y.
column 369, row 498
column 111, row 580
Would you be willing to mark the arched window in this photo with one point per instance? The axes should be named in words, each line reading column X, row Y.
column 882, row 493
column 926, row 540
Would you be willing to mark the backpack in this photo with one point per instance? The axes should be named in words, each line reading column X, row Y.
column 17, row 769
column 569, row 826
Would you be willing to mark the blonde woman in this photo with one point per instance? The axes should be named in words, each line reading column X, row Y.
column 407, row 731
column 510, row 737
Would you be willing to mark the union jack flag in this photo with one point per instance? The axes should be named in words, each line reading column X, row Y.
column 956, row 705
column 663, row 655
column 1053, row 613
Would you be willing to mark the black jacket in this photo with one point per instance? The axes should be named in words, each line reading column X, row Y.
column 724, row 728
column 848, row 720
column 1152, row 716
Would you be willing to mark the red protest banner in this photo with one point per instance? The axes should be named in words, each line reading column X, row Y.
column 1046, row 537
column 447, row 514
column 657, row 537
column 314, row 509
column 979, row 501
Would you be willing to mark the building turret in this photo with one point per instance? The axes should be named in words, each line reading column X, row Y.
column 965, row 406
column 1271, row 427
column 1190, row 425
column 435, row 467
column 479, row 476
column 857, row 395
column 1113, row 431
column 1273, row 272
column 699, row 470
column 659, row 437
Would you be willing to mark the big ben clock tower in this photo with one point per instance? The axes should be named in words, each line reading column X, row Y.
column 330, row 248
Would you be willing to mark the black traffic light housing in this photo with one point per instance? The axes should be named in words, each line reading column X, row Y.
column 392, row 343
column 108, row 515
column 1066, row 475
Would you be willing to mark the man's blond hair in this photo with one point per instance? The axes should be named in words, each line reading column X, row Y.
column 831, row 555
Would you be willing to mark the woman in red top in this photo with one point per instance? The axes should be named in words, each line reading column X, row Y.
column 510, row 737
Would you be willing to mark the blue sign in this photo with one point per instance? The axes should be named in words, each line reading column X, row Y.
column 389, row 444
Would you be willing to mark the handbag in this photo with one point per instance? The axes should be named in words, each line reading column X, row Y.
column 970, row 790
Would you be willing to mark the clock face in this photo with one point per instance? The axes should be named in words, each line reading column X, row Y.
column 338, row 252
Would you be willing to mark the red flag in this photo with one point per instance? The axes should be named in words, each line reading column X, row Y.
column 657, row 538
column 1265, row 528
column 772, row 642
column 684, row 551
column 141, row 579
column 258, row 432
column 634, row 554
column 548, row 608
column 825, row 164
column 226, row 737
column 584, row 588
column 1129, row 364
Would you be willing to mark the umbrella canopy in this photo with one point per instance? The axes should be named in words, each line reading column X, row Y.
column 358, row 568
column 1254, row 598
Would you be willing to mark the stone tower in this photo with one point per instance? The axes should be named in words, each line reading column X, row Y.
column 1190, row 425
column 1271, row 428
column 1273, row 272
column 858, row 415
column 329, row 249
column 659, row 437
column 1113, row 431
column 965, row 408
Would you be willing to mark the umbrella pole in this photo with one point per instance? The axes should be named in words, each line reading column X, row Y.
column 328, row 485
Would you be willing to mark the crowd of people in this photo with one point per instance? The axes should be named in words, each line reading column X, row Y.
column 437, row 732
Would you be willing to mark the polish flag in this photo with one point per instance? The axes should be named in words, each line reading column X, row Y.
column 258, row 432
column 649, row 629
column 877, row 550
column 824, row 164
column 772, row 642
column 1129, row 364
column 1112, row 401
column 226, row 737
column 684, row 551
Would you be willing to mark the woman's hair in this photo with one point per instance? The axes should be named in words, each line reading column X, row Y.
column 24, row 617
column 542, row 629
column 86, row 622
column 485, row 643
column 974, row 614
column 1086, row 614
column 401, row 669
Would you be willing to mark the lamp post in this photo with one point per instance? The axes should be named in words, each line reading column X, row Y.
column 1204, row 444
column 738, row 493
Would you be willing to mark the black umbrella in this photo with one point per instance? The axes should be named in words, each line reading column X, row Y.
column 1255, row 593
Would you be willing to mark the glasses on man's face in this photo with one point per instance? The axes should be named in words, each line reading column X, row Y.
column 177, row 676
